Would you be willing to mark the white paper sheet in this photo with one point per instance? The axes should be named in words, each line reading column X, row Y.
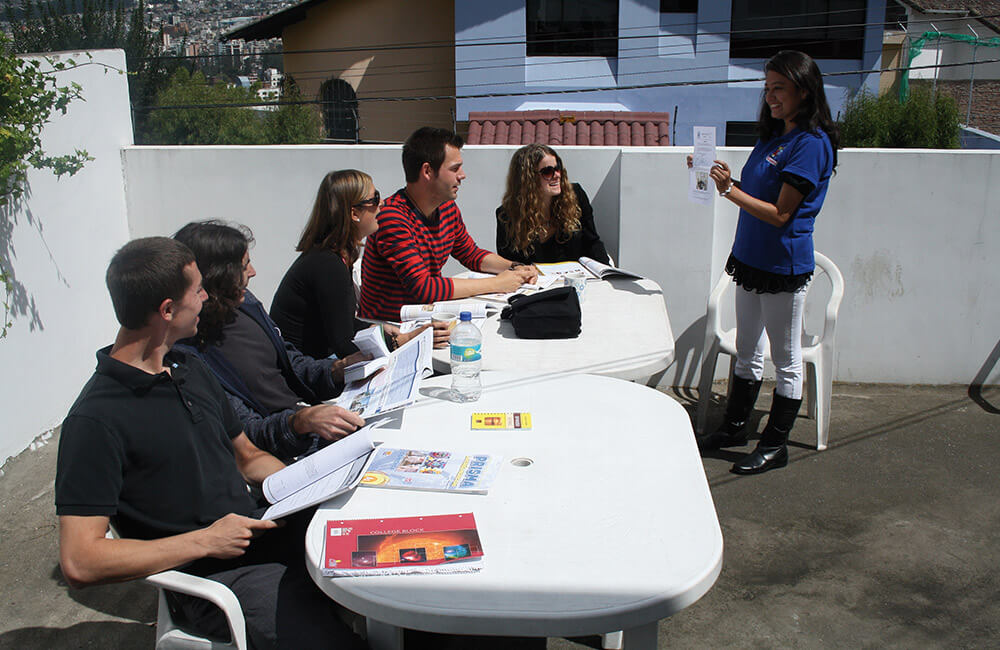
column 701, row 188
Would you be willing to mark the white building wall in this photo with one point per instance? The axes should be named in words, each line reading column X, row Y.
column 62, row 237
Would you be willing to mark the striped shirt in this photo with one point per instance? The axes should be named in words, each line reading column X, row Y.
column 403, row 259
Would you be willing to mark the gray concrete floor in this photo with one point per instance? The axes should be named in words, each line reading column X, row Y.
column 886, row 539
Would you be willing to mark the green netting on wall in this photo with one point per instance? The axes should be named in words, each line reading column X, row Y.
column 918, row 44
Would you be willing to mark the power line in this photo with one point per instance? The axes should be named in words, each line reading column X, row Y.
column 492, row 41
column 665, row 84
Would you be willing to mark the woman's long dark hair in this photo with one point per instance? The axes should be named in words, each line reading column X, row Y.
column 330, row 225
column 523, row 210
column 814, row 112
column 218, row 250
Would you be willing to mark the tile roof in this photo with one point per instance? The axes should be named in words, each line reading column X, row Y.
column 567, row 128
column 984, row 10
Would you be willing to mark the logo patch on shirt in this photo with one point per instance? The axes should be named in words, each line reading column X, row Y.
column 773, row 157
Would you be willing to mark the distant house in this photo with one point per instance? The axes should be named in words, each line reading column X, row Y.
column 966, row 29
column 656, row 55
column 362, row 58
column 699, row 60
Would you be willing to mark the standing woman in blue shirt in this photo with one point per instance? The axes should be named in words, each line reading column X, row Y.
column 780, row 192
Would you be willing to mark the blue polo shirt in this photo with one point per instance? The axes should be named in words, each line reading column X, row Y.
column 785, row 250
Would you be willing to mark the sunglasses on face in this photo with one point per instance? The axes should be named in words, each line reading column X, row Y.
column 548, row 172
column 373, row 202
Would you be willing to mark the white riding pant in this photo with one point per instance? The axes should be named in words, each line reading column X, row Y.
column 774, row 317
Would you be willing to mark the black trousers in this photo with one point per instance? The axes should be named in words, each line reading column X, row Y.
column 282, row 606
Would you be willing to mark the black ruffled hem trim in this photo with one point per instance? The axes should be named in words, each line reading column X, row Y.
column 753, row 279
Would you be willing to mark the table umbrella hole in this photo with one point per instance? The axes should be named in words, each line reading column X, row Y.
column 521, row 462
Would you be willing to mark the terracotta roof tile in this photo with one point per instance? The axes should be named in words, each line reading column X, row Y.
column 568, row 128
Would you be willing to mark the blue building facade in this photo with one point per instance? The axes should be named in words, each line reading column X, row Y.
column 689, row 56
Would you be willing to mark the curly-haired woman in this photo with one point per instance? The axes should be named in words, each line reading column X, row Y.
column 543, row 217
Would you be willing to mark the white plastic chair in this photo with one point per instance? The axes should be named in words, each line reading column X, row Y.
column 169, row 636
column 817, row 351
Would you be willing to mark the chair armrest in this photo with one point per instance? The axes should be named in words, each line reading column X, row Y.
column 210, row 590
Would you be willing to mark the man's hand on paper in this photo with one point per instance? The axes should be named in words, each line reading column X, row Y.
column 442, row 333
column 529, row 273
column 337, row 369
column 327, row 421
column 230, row 536
column 509, row 281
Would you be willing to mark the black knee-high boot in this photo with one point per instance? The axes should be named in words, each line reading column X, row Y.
column 733, row 432
column 772, row 449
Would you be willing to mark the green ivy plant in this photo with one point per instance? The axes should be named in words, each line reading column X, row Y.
column 29, row 96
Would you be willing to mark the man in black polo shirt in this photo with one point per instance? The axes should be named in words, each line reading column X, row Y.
column 153, row 444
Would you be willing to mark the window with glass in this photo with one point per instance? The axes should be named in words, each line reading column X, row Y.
column 741, row 134
column 823, row 29
column 572, row 27
column 678, row 6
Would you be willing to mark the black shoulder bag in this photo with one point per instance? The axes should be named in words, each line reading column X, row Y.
column 552, row 314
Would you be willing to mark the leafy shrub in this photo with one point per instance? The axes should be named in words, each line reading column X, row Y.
column 922, row 121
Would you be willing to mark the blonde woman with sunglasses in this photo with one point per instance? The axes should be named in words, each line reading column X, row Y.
column 316, row 303
column 543, row 217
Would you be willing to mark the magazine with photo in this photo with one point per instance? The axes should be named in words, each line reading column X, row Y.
column 438, row 471
column 401, row 545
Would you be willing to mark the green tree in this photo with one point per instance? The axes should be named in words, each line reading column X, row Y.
column 925, row 120
column 293, row 123
column 215, row 123
column 192, row 111
column 58, row 25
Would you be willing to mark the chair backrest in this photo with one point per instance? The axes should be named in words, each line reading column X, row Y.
column 824, row 266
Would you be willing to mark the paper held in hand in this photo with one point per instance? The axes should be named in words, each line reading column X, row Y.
column 701, row 187
column 394, row 545
column 587, row 266
column 333, row 470
column 397, row 384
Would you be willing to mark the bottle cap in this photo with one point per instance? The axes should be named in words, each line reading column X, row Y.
column 465, row 316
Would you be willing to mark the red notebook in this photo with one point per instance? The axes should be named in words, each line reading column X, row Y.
column 396, row 545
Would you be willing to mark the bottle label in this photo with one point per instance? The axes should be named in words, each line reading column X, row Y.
column 465, row 353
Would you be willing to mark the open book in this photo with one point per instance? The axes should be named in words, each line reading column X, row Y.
column 392, row 545
column 395, row 386
column 330, row 471
column 589, row 267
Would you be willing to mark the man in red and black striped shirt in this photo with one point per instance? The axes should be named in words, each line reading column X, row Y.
column 419, row 228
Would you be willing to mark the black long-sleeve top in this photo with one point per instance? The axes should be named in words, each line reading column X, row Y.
column 585, row 242
column 315, row 305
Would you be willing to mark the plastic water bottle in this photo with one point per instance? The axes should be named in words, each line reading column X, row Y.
column 466, row 359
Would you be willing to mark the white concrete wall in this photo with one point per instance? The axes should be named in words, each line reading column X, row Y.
column 62, row 237
column 914, row 233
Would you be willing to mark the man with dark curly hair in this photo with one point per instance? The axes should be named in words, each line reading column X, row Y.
column 266, row 377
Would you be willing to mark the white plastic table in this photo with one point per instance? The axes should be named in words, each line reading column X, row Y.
column 625, row 333
column 610, row 527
